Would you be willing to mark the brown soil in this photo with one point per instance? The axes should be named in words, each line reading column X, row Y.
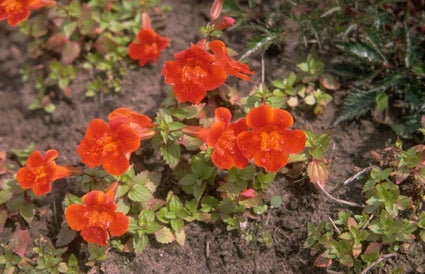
column 209, row 248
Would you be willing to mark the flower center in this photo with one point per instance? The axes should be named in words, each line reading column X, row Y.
column 193, row 72
column 40, row 173
column 270, row 140
column 227, row 141
column 99, row 217
column 108, row 143
column 151, row 49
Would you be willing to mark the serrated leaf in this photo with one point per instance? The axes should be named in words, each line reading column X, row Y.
column 140, row 243
column 361, row 51
column 171, row 154
column 140, row 193
column 164, row 235
column 180, row 237
column 356, row 104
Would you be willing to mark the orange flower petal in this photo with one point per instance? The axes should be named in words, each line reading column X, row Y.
column 222, row 122
column 171, row 72
column 51, row 154
column 111, row 191
column 128, row 139
column 97, row 198
column 96, row 129
column 35, row 160
column 16, row 18
column 295, row 140
column 95, row 234
column 115, row 164
column 189, row 92
column 75, row 216
column 25, row 178
column 135, row 51
column 264, row 115
column 119, row 224
column 61, row 172
column 281, row 118
column 248, row 143
column 231, row 66
column 42, row 186
column 89, row 152
column 272, row 161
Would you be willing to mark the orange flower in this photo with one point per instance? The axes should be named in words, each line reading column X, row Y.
column 193, row 74
column 270, row 140
column 230, row 66
column 97, row 216
column 109, row 145
column 40, row 171
column 140, row 123
column 16, row 11
column 222, row 137
column 149, row 45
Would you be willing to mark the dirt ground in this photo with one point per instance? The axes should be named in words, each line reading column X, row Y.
column 209, row 248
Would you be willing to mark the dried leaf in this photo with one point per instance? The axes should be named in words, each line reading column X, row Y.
column 372, row 247
column 19, row 241
column 3, row 168
column 329, row 82
column 322, row 261
column 70, row 52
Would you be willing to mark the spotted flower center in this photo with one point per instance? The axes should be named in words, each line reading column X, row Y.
column 193, row 72
column 108, row 143
column 227, row 141
column 270, row 140
column 99, row 217
column 40, row 173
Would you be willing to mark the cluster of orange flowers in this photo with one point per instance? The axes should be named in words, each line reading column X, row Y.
column 263, row 136
column 107, row 144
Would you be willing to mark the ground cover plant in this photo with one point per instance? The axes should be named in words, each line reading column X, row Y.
column 212, row 136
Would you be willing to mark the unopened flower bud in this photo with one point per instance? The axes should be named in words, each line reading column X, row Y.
column 216, row 9
column 224, row 23
column 248, row 193
column 317, row 171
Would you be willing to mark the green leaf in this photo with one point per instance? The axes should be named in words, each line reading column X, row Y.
column 381, row 100
column 140, row 193
column 171, row 154
column 356, row 104
column 164, row 235
column 177, row 224
column 275, row 201
column 188, row 180
column 27, row 211
column 361, row 51
column 140, row 243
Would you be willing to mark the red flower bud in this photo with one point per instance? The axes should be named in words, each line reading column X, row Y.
column 248, row 193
